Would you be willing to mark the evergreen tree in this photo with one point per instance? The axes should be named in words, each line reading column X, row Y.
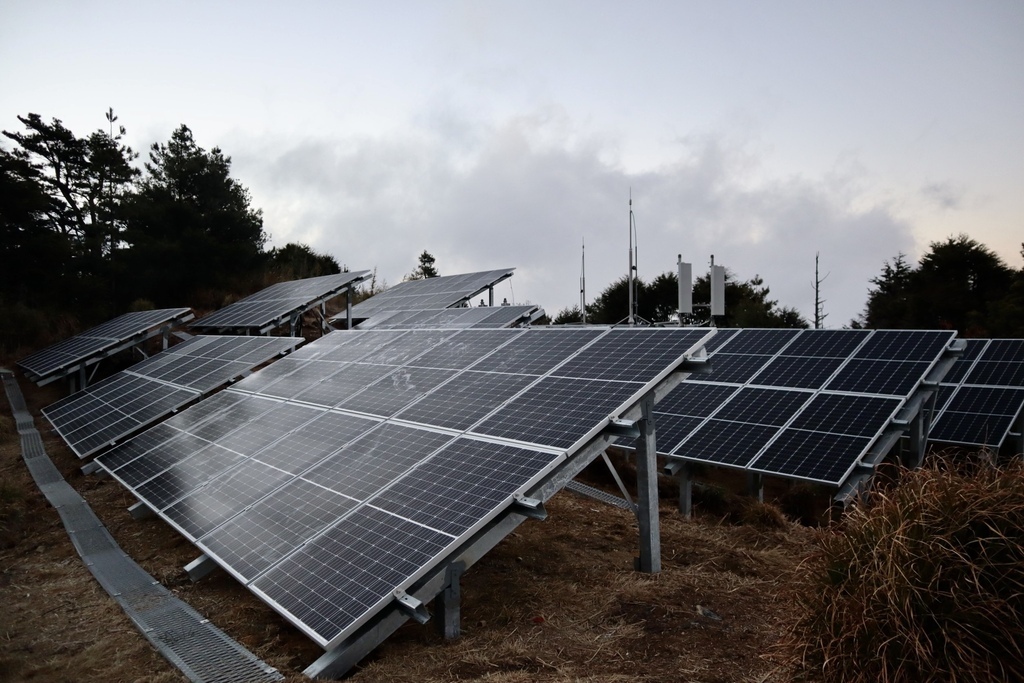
column 191, row 229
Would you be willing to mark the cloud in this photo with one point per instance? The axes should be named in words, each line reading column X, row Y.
column 943, row 195
column 526, row 193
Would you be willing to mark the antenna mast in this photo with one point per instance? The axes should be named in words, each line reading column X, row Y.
column 631, row 284
column 819, row 304
column 583, row 283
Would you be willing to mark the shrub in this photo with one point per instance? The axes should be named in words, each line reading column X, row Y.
column 923, row 582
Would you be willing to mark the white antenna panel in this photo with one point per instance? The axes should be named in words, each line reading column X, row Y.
column 717, row 290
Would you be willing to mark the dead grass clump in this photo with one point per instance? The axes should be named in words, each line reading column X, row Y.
column 762, row 515
column 924, row 582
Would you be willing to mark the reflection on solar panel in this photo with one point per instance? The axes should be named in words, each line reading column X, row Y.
column 279, row 304
column 131, row 399
column 91, row 346
column 383, row 454
column 982, row 397
column 479, row 317
column 798, row 404
column 428, row 294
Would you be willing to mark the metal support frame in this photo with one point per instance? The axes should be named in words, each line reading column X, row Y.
column 683, row 472
column 647, row 491
column 448, row 603
column 92, row 467
column 141, row 511
column 1014, row 444
column 200, row 568
column 755, row 486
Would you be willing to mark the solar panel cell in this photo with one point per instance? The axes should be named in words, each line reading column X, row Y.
column 879, row 377
column 463, row 484
column 815, row 456
column 335, row 580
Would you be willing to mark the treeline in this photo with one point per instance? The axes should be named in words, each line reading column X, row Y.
column 958, row 284
column 86, row 234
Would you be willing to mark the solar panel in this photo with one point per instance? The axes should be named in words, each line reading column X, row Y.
column 91, row 346
column 479, row 317
column 276, row 305
column 431, row 293
column 134, row 398
column 799, row 404
column 982, row 398
column 325, row 511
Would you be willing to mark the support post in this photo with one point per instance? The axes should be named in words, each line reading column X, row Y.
column 296, row 324
column 647, row 490
column 348, row 308
column 448, row 603
column 490, row 297
column 918, row 441
column 755, row 486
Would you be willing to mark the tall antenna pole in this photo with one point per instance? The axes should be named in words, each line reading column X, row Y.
column 583, row 283
column 630, row 318
column 819, row 314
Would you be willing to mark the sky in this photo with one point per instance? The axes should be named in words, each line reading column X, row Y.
column 497, row 134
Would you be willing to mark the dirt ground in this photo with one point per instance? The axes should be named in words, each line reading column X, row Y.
column 556, row 601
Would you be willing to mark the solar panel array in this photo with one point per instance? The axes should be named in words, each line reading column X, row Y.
column 131, row 399
column 801, row 404
column 480, row 317
column 100, row 341
column 275, row 305
column 430, row 293
column 356, row 465
column 982, row 396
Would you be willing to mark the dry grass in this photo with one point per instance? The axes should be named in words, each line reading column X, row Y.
column 925, row 582
column 555, row 601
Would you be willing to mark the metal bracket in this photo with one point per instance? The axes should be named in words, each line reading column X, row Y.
column 141, row 510
column 624, row 428
column 529, row 507
column 200, row 567
column 91, row 468
column 411, row 607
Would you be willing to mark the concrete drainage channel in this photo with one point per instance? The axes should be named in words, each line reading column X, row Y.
column 198, row 648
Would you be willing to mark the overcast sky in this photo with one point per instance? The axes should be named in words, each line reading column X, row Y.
column 498, row 134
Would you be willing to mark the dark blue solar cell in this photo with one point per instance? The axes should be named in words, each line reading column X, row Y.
column 854, row 415
column 826, row 343
column 763, row 342
column 559, row 411
column 466, row 399
column 721, row 336
column 670, row 430
column 536, row 354
column 463, row 484
column 631, row 355
column 816, row 456
column 270, row 529
column 917, row 345
column 694, row 399
column 897, row 378
column 725, row 443
column 797, row 372
column 336, row 578
column 988, row 400
column 772, row 407
column 1004, row 350
column 1001, row 374
column 971, row 429
column 731, row 368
